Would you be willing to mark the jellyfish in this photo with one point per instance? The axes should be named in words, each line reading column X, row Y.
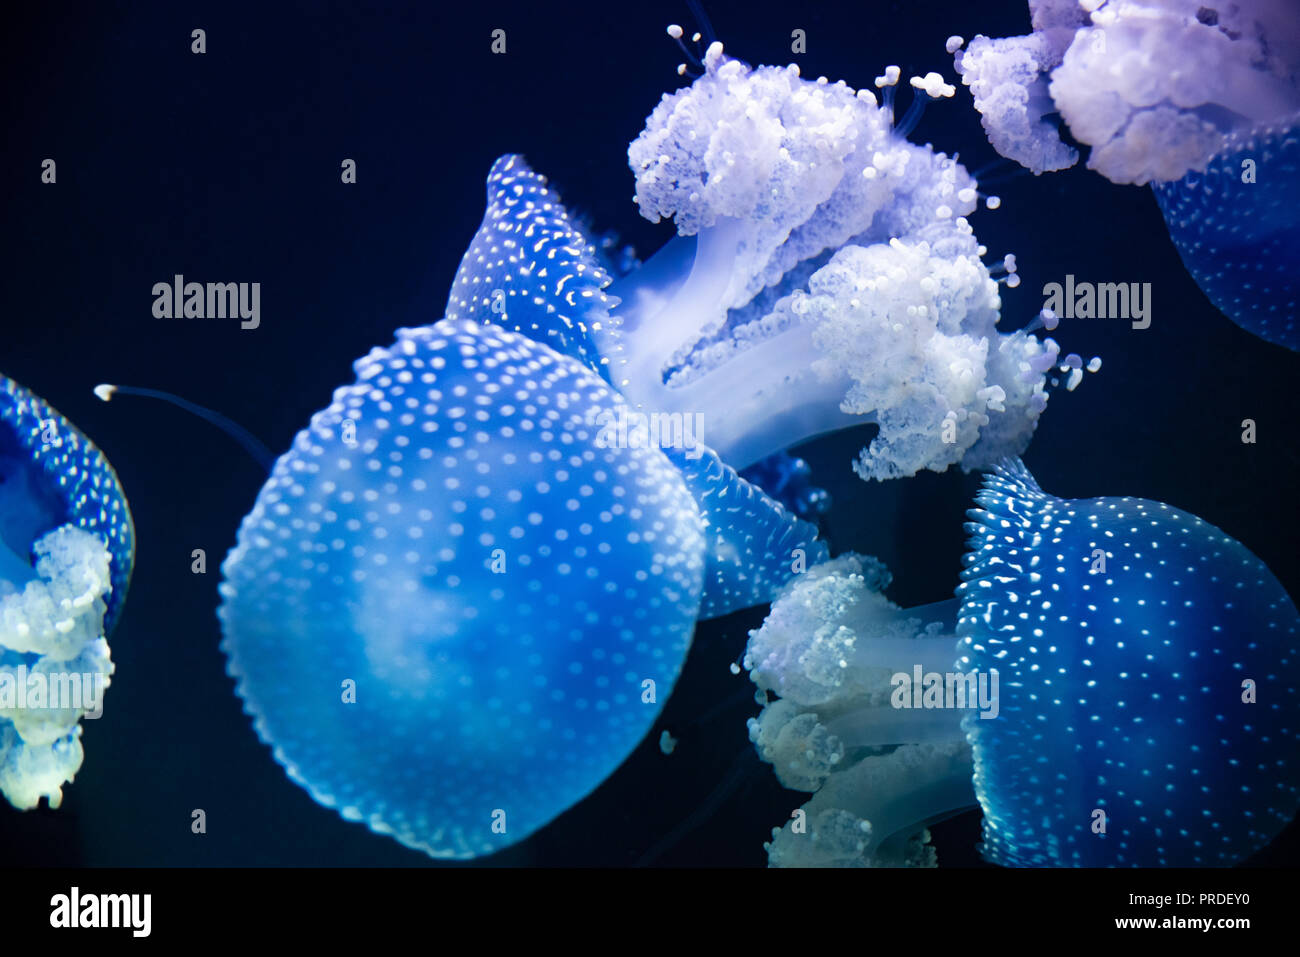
column 824, row 275
column 66, row 552
column 1113, row 685
column 457, row 605
column 1201, row 101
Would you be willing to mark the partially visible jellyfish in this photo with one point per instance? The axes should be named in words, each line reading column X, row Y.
column 1152, row 86
column 1146, row 709
column 824, row 276
column 66, row 552
column 1201, row 101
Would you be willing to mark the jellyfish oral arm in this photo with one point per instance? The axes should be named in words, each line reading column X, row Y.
column 875, row 727
column 863, row 667
column 824, row 275
column 51, row 635
column 877, row 812
column 666, row 308
column 914, row 664
column 776, row 394
column 899, row 333
column 833, row 648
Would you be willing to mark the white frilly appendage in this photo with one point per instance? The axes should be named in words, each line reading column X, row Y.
column 1008, row 80
column 824, row 275
column 54, row 664
column 1153, row 86
column 912, row 326
column 881, row 775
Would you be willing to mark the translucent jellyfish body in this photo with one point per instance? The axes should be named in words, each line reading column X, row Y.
column 66, row 551
column 1144, row 714
column 1200, row 100
column 454, row 610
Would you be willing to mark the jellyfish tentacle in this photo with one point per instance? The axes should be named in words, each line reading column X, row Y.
column 250, row 443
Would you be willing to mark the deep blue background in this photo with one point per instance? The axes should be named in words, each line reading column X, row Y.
column 225, row 167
